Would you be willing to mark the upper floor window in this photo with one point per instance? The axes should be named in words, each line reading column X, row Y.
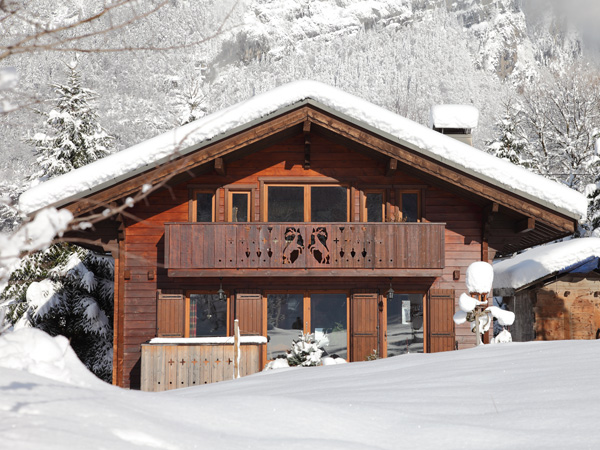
column 309, row 203
column 239, row 206
column 203, row 206
column 373, row 205
column 409, row 206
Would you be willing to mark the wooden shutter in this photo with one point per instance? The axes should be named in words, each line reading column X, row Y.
column 249, row 311
column 440, row 325
column 363, row 325
column 170, row 313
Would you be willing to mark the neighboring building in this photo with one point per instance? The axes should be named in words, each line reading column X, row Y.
column 303, row 205
column 554, row 290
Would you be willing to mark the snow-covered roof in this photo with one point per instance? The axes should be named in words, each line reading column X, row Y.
column 453, row 116
column 196, row 135
column 541, row 262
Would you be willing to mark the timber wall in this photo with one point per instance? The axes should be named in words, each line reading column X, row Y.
column 143, row 255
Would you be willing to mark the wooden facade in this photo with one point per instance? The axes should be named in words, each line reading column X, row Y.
column 407, row 222
column 567, row 307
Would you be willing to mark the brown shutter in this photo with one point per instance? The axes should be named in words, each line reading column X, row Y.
column 249, row 311
column 440, row 326
column 170, row 313
column 363, row 325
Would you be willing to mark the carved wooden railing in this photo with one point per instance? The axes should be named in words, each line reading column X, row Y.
column 202, row 249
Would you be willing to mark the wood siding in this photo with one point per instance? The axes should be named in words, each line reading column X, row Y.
column 166, row 367
column 291, row 247
column 144, row 246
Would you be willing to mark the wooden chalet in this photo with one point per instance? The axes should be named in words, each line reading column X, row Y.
column 303, row 216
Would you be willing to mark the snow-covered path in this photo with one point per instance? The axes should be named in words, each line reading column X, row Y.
column 519, row 395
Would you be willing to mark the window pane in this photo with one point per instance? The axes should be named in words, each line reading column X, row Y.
column 374, row 206
column 405, row 324
column 328, row 315
column 410, row 207
column 208, row 315
column 328, row 204
column 204, row 207
column 284, row 322
column 239, row 207
column 286, row 204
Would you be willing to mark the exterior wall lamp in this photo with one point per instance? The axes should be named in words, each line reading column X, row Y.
column 221, row 292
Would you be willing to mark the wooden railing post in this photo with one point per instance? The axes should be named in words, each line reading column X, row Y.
column 236, row 349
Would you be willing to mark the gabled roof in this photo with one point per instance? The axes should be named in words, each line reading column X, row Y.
column 189, row 138
column 535, row 265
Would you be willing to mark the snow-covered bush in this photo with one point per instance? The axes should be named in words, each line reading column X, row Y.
column 479, row 278
column 307, row 351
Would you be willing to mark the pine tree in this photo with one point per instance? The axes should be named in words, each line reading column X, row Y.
column 66, row 289
column 511, row 143
column 73, row 136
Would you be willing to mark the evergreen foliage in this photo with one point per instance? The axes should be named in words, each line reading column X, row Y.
column 307, row 351
column 72, row 137
column 510, row 144
column 67, row 290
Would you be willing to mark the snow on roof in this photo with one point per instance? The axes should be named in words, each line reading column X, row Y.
column 195, row 135
column 540, row 262
column 453, row 116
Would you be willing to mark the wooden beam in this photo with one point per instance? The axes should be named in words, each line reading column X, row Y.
column 488, row 217
column 298, row 273
column 306, row 130
column 525, row 225
column 220, row 167
column 392, row 165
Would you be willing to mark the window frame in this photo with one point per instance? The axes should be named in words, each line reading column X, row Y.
column 398, row 213
column 363, row 203
column 190, row 292
column 192, row 202
column 307, row 197
column 229, row 207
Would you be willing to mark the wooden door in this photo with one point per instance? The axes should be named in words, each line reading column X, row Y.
column 440, row 325
column 363, row 325
column 249, row 311
column 170, row 313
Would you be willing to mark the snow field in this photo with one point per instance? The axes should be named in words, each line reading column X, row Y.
column 518, row 395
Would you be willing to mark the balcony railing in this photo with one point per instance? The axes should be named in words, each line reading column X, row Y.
column 315, row 249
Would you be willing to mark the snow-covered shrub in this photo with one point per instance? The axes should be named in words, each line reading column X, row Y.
column 480, row 276
column 307, row 351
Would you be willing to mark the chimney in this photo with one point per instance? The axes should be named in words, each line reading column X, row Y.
column 456, row 121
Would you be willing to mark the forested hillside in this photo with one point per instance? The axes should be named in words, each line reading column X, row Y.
column 528, row 67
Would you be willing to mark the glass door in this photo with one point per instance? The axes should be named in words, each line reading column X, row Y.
column 329, row 315
column 405, row 324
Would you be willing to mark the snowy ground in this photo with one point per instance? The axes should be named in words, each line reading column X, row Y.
column 527, row 396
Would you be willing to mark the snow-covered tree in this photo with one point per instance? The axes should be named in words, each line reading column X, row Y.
column 593, row 193
column 510, row 143
column 66, row 290
column 562, row 122
column 307, row 351
column 72, row 137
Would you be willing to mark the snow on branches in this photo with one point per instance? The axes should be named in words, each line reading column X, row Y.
column 72, row 137
column 479, row 278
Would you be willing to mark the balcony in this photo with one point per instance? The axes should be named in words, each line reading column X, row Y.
column 304, row 249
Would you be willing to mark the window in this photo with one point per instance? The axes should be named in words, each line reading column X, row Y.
column 373, row 207
column 309, row 203
column 239, row 206
column 285, row 322
column 408, row 206
column 207, row 315
column 203, row 206
column 405, row 324
column 285, row 203
column 321, row 313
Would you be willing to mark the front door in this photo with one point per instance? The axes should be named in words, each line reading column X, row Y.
column 364, row 325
